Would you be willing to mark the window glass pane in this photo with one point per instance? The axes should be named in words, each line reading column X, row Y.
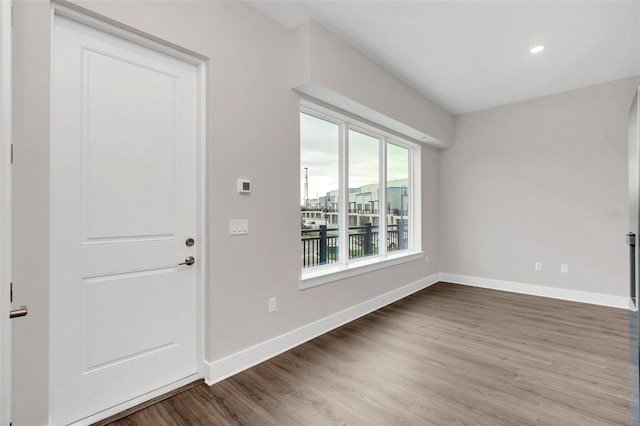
column 364, row 183
column 397, row 198
column 319, row 172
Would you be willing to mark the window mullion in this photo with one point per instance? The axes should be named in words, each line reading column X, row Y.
column 382, row 200
column 343, row 219
column 415, row 188
column 411, row 184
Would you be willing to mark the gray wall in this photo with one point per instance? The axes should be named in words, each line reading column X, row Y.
column 31, row 211
column 535, row 181
column 252, row 132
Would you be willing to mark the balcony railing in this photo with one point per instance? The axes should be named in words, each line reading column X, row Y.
column 319, row 209
column 320, row 246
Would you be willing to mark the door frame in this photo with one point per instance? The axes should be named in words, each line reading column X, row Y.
column 6, row 19
column 99, row 23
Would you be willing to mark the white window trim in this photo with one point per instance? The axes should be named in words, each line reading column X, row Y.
column 346, row 267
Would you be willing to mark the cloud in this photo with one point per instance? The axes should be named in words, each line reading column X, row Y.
column 319, row 146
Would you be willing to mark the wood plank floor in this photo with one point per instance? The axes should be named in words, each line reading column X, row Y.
column 448, row 355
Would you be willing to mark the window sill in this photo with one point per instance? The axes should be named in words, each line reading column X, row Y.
column 330, row 273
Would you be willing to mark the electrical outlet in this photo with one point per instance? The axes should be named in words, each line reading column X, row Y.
column 273, row 304
column 564, row 268
column 538, row 266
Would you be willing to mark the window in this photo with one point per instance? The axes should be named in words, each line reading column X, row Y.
column 364, row 176
column 320, row 181
column 363, row 184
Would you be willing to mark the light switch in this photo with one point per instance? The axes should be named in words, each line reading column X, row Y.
column 238, row 226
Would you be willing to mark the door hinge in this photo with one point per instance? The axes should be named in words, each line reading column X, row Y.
column 11, row 156
column 10, row 292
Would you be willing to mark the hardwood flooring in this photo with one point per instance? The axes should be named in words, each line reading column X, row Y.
column 447, row 355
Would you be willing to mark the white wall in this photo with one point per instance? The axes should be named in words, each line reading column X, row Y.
column 326, row 67
column 534, row 181
column 252, row 132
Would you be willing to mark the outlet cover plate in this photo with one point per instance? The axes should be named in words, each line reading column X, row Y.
column 238, row 227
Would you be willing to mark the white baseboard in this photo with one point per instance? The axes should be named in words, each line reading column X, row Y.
column 539, row 290
column 233, row 364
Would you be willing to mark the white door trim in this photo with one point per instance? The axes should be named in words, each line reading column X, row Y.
column 5, row 210
column 132, row 35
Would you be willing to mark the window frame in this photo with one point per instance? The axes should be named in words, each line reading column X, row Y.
column 345, row 267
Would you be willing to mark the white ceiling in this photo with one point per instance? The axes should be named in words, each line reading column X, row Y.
column 471, row 55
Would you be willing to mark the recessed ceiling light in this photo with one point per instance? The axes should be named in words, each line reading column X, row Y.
column 537, row 49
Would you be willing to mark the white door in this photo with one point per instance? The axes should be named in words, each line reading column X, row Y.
column 123, row 204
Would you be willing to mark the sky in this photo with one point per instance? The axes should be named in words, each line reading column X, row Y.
column 319, row 153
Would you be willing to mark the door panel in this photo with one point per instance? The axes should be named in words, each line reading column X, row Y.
column 122, row 322
column 123, row 202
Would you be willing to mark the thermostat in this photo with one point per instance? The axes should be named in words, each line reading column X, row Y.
column 244, row 186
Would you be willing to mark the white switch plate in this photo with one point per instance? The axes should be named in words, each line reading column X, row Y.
column 564, row 268
column 273, row 304
column 238, row 226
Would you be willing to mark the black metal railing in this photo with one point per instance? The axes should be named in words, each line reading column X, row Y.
column 332, row 209
column 320, row 246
